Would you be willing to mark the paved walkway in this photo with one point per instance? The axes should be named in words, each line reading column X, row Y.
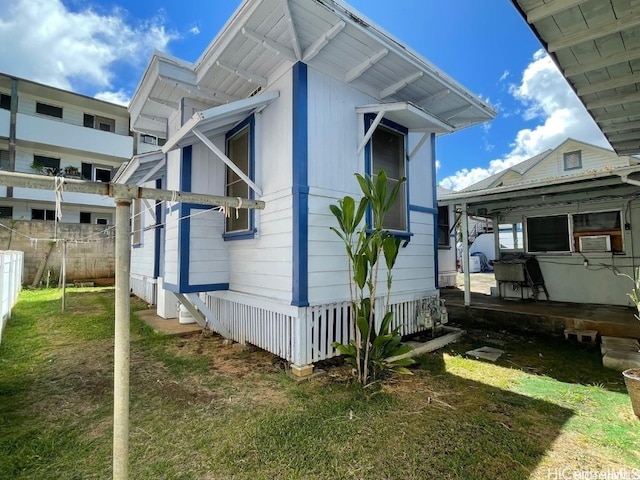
column 165, row 326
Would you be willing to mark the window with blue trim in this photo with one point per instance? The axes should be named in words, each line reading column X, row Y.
column 240, row 151
column 387, row 151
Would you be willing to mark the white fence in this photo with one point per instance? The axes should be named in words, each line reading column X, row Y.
column 11, row 267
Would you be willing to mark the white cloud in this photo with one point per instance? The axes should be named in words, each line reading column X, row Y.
column 44, row 41
column 438, row 165
column 120, row 97
column 504, row 76
column 547, row 98
column 194, row 30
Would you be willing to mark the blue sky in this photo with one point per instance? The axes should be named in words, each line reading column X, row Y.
column 101, row 48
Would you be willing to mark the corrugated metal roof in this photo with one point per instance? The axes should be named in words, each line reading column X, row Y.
column 265, row 37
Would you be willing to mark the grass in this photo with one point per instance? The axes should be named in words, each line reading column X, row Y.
column 203, row 410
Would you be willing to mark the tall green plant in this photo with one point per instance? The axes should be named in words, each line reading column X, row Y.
column 370, row 352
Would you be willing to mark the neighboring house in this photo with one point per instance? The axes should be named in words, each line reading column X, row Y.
column 447, row 258
column 289, row 101
column 49, row 131
column 577, row 206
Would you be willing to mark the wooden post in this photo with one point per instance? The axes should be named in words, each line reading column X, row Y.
column 465, row 256
column 121, row 346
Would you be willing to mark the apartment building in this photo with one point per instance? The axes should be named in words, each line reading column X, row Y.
column 49, row 131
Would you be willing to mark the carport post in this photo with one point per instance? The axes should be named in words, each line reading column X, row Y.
column 121, row 347
column 465, row 256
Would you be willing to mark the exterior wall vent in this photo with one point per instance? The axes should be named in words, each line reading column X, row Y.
column 595, row 243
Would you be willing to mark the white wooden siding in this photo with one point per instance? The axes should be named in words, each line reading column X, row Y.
column 447, row 268
column 592, row 159
column 420, row 173
column 143, row 283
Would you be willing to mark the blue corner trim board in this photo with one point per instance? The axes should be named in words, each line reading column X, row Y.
column 435, row 206
column 419, row 208
column 300, row 190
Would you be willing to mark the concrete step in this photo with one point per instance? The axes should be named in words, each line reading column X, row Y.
column 582, row 336
column 621, row 360
column 618, row 343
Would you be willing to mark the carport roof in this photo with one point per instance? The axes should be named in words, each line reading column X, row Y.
column 596, row 45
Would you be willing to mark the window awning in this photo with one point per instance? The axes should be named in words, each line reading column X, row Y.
column 410, row 116
column 141, row 169
column 217, row 120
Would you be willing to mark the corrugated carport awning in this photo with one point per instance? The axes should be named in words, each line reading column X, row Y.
column 217, row 120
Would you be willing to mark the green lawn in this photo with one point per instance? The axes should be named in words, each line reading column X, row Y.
column 202, row 410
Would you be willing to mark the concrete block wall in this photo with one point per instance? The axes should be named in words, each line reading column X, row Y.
column 90, row 248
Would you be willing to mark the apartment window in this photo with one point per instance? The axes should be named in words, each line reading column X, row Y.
column 85, row 217
column 40, row 214
column 573, row 160
column 46, row 165
column 50, row 110
column 6, row 212
column 603, row 228
column 444, row 237
column 240, row 152
column 95, row 173
column 99, row 123
column 5, row 101
column 102, row 221
column 152, row 140
column 387, row 152
column 4, row 159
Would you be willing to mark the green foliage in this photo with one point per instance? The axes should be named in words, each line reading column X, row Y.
column 372, row 353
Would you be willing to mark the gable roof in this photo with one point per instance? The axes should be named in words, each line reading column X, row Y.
column 264, row 38
column 594, row 43
column 525, row 166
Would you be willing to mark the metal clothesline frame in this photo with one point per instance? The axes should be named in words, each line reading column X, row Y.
column 123, row 195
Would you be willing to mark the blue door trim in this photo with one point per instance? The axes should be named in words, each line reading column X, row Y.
column 434, row 187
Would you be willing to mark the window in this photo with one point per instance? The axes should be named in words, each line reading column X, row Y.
column 598, row 224
column 102, row 221
column 46, row 165
column 151, row 140
column 548, row 234
column 85, row 217
column 239, row 151
column 95, row 173
column 6, row 212
column 4, row 159
column 5, row 101
column 573, row 160
column 99, row 123
column 102, row 175
column 136, row 222
column 444, row 237
column 50, row 110
column 38, row 214
column 387, row 152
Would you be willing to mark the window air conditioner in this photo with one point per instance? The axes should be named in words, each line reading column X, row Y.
column 595, row 243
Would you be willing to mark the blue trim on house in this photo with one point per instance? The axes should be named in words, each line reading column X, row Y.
column 436, row 267
column 184, row 230
column 250, row 122
column 300, row 187
column 157, row 234
column 209, row 287
column 419, row 208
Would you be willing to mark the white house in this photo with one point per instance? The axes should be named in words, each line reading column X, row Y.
column 578, row 210
column 285, row 105
column 51, row 131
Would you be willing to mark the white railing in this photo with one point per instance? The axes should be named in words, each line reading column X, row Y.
column 143, row 287
column 11, row 266
column 308, row 336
